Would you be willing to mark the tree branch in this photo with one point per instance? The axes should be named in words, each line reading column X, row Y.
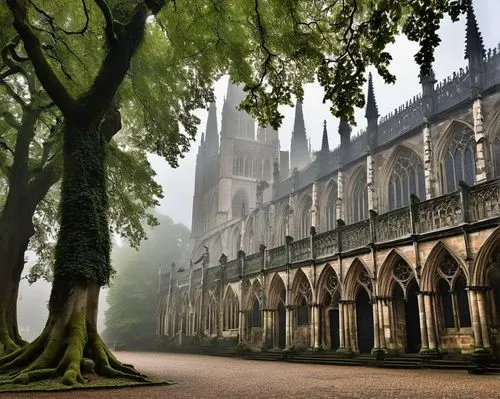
column 51, row 83
column 110, row 25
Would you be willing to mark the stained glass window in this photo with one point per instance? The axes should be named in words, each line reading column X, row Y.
column 459, row 159
column 359, row 204
column 407, row 178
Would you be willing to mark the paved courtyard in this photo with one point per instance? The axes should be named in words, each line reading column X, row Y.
column 217, row 377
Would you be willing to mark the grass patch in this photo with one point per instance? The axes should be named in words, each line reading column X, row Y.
column 93, row 382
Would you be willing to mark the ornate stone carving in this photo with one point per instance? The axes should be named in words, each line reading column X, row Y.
column 365, row 280
column 300, row 250
column 325, row 244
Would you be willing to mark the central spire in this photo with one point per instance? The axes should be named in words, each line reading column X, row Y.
column 212, row 134
column 299, row 154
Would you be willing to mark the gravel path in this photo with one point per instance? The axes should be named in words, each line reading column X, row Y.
column 217, row 377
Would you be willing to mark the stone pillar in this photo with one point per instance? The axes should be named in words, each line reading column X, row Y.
column 428, row 172
column 429, row 316
column 314, row 207
column 381, row 328
column 476, row 324
column 341, row 326
column 289, row 328
column 481, row 304
column 353, row 328
column 315, row 326
column 386, row 317
column 370, row 183
column 481, row 155
column 242, row 325
column 339, row 206
column 290, row 226
column 376, row 340
column 423, row 323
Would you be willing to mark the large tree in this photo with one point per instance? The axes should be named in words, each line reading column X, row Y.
column 132, row 295
column 270, row 46
column 30, row 167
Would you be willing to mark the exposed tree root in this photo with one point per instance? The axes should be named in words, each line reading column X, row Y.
column 60, row 350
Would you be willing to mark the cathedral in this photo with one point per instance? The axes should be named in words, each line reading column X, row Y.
column 389, row 243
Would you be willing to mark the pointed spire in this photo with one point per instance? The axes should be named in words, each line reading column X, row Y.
column 344, row 128
column 299, row 155
column 212, row 139
column 236, row 123
column 473, row 40
column 371, row 104
column 325, row 147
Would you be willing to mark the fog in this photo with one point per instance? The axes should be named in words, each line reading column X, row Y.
column 178, row 184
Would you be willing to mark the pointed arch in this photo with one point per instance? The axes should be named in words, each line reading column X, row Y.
column 328, row 217
column 328, row 284
column 235, row 242
column 432, row 263
column 240, row 203
column 255, row 291
column 492, row 134
column 357, row 196
column 456, row 151
column 358, row 277
column 231, row 310
column 446, row 276
column 403, row 175
column 388, row 276
column 487, row 255
column 277, row 292
column 281, row 225
column 303, row 216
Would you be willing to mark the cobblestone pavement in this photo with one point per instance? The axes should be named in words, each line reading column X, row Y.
column 218, row 377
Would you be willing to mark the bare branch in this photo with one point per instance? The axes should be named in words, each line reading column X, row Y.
column 56, row 90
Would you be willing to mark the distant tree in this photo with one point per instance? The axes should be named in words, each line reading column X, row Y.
column 272, row 47
column 132, row 294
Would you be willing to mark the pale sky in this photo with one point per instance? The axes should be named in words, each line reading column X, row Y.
column 178, row 184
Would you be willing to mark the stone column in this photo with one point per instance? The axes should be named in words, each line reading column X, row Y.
column 341, row 326
column 242, row 326
column 423, row 323
column 386, row 317
column 314, row 207
column 429, row 316
column 381, row 326
column 370, row 183
column 376, row 335
column 476, row 324
column 315, row 324
column 353, row 328
column 481, row 303
column 289, row 328
column 428, row 172
column 481, row 155
column 339, row 206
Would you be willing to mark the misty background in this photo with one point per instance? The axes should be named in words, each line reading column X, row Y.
column 178, row 184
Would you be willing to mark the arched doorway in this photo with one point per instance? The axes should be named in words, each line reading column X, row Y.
column 277, row 306
column 364, row 321
column 406, row 317
column 329, row 296
column 405, row 308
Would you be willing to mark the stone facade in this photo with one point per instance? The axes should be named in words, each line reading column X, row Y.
column 388, row 243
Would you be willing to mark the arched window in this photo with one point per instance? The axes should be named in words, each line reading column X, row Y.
column 302, row 312
column 238, row 165
column 459, row 160
column 452, row 294
column 407, row 178
column 281, row 228
column 248, row 167
column 330, row 218
column 258, row 165
column 231, row 311
column 359, row 200
column 304, row 214
column 267, row 170
column 496, row 154
column 236, row 243
column 255, row 319
column 239, row 204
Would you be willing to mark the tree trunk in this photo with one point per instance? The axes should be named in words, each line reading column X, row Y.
column 16, row 231
column 82, row 266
